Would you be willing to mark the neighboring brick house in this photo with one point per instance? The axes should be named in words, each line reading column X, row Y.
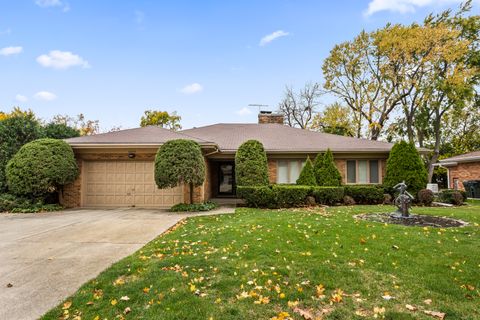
column 462, row 168
column 117, row 167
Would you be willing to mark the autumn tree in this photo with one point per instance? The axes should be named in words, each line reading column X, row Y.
column 300, row 107
column 84, row 126
column 161, row 119
column 336, row 119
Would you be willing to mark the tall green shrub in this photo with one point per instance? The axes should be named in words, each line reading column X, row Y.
column 317, row 166
column 179, row 161
column 328, row 174
column 404, row 164
column 251, row 167
column 16, row 130
column 307, row 176
column 41, row 167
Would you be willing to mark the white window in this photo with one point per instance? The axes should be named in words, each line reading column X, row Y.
column 288, row 171
column 363, row 171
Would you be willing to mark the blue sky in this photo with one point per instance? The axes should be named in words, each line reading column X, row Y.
column 111, row 60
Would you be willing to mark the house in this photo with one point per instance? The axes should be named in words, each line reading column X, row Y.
column 117, row 167
column 462, row 168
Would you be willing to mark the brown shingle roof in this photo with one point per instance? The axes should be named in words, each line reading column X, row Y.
column 281, row 138
column 139, row 136
column 475, row 155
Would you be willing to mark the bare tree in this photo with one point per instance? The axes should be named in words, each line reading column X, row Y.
column 299, row 108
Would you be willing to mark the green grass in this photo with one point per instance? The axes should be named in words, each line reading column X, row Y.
column 200, row 269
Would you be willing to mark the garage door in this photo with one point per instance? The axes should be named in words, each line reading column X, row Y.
column 125, row 184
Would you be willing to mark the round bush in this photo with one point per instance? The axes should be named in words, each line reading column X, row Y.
column 404, row 164
column 179, row 161
column 40, row 167
column 251, row 168
column 425, row 197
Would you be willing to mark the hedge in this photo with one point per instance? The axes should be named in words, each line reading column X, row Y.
column 257, row 196
column 328, row 195
column 290, row 195
column 365, row 194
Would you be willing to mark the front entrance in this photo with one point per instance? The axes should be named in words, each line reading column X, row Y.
column 226, row 178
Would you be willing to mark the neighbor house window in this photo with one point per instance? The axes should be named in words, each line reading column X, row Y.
column 288, row 171
column 363, row 171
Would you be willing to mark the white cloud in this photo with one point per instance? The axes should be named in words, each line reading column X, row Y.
column 10, row 50
column 192, row 88
column 45, row 96
column 272, row 36
column 401, row 6
column 245, row 111
column 53, row 3
column 62, row 60
column 21, row 98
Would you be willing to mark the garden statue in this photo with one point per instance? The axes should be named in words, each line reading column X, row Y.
column 402, row 201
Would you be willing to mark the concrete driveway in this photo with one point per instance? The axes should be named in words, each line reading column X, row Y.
column 46, row 257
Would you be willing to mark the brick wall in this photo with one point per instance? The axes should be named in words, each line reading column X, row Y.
column 272, row 170
column 463, row 172
column 270, row 118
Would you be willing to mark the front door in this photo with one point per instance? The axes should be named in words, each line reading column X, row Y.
column 226, row 179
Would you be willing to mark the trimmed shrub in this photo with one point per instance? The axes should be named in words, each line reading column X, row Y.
column 328, row 195
column 328, row 174
column 257, row 196
column 365, row 194
column 404, row 164
column 251, row 167
column 317, row 165
column 307, row 176
column 60, row 131
column 290, row 195
column 15, row 131
column 425, row 197
column 179, row 161
column 451, row 196
column 41, row 167
column 348, row 201
column 194, row 207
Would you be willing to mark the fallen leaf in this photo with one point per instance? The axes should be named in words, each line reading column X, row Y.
column 305, row 314
column 125, row 298
column 127, row 310
column 428, row 301
column 67, row 305
column 361, row 312
column 410, row 307
column 9, row 285
column 113, row 302
column 435, row 314
column 89, row 303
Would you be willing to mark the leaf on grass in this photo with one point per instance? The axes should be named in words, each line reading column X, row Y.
column 410, row 307
column 127, row 310
column 125, row 298
column 305, row 314
column 67, row 305
column 113, row 302
column 361, row 313
column 428, row 301
column 435, row 314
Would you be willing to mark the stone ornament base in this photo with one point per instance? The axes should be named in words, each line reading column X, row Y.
column 413, row 220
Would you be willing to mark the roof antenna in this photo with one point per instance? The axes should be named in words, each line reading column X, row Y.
column 260, row 106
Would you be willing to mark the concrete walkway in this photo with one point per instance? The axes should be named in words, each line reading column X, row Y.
column 46, row 257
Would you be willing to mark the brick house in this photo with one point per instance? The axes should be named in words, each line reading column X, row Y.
column 462, row 168
column 117, row 167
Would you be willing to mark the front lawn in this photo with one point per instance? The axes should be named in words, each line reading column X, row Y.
column 281, row 264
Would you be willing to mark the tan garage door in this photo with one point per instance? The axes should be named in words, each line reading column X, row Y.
column 125, row 184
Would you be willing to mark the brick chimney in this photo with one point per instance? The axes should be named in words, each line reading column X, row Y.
column 270, row 117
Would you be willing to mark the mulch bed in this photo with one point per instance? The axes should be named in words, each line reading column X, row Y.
column 413, row 220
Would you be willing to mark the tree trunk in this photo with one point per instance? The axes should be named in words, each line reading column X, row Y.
column 191, row 193
column 436, row 150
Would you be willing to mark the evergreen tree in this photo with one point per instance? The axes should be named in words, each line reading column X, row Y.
column 307, row 176
column 404, row 164
column 317, row 166
column 251, row 167
column 328, row 174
